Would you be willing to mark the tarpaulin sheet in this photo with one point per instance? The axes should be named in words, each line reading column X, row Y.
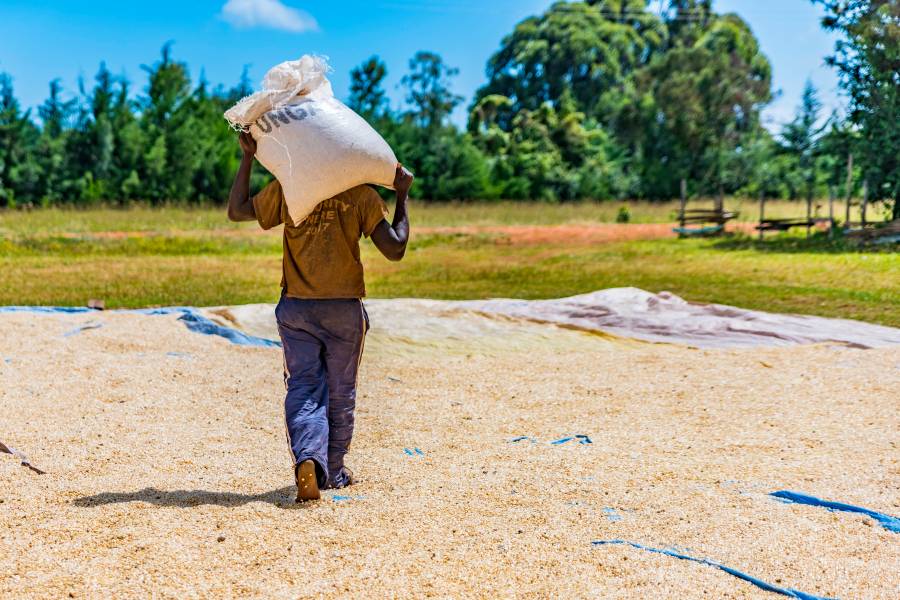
column 664, row 317
column 191, row 317
column 623, row 312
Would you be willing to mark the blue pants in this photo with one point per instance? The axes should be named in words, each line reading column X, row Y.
column 323, row 344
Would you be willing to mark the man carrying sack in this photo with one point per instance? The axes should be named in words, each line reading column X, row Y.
column 321, row 318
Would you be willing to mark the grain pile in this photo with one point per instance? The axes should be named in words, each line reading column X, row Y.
column 167, row 470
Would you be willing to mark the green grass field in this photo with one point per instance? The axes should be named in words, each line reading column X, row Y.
column 177, row 256
column 451, row 214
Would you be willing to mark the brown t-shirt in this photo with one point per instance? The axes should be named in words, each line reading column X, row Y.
column 321, row 254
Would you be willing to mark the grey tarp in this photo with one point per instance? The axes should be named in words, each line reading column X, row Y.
column 624, row 312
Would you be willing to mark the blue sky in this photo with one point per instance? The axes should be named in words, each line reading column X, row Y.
column 40, row 41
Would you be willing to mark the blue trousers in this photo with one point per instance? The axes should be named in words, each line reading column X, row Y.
column 323, row 343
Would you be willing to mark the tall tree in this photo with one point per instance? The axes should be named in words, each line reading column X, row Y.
column 801, row 136
column 55, row 114
column 92, row 144
column 19, row 172
column 428, row 89
column 692, row 106
column 243, row 89
column 101, row 102
column 130, row 144
column 548, row 153
column 172, row 155
column 687, row 20
column 836, row 143
column 867, row 59
column 214, row 141
column 367, row 96
column 584, row 47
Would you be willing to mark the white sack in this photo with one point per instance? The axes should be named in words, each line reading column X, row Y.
column 311, row 141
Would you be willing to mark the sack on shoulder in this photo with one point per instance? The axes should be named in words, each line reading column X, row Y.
column 314, row 144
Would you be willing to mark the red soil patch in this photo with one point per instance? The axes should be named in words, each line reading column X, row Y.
column 594, row 233
column 570, row 234
column 120, row 235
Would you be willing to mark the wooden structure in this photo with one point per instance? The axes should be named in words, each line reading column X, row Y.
column 694, row 222
column 863, row 230
column 863, row 206
column 868, row 232
column 785, row 224
column 811, row 220
column 851, row 228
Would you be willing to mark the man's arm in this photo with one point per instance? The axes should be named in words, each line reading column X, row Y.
column 391, row 238
column 240, row 205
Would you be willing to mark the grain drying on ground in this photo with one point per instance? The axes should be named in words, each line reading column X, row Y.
column 167, row 468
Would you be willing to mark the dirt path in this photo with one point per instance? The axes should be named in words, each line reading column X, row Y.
column 570, row 234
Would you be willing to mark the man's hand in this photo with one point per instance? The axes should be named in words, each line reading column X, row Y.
column 403, row 180
column 240, row 206
column 248, row 144
column 391, row 238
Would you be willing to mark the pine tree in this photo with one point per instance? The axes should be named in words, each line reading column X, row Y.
column 55, row 114
column 19, row 171
column 800, row 138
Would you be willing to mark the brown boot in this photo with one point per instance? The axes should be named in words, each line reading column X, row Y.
column 307, row 482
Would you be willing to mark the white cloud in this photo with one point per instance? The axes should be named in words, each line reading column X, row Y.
column 268, row 13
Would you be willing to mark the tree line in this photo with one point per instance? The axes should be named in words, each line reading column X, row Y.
column 597, row 99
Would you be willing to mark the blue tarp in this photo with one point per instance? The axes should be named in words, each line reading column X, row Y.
column 46, row 309
column 81, row 328
column 887, row 521
column 200, row 324
column 791, row 593
column 192, row 319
